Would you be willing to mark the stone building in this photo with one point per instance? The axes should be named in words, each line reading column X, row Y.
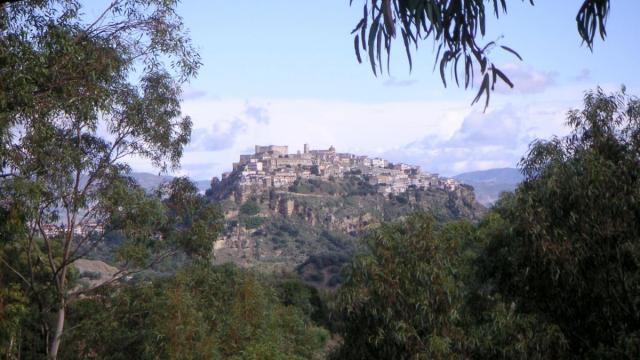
column 273, row 166
column 272, row 149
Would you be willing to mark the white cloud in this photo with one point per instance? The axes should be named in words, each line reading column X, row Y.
column 190, row 93
column 226, row 128
column 526, row 79
column 583, row 75
column 444, row 137
column 400, row 83
column 497, row 138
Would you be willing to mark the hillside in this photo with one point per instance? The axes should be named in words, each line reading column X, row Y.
column 488, row 184
column 150, row 181
column 312, row 223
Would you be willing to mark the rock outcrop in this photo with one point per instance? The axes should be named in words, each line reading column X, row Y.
column 319, row 217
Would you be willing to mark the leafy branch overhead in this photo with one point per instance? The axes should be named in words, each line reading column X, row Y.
column 457, row 28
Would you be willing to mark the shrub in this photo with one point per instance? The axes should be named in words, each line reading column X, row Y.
column 252, row 222
column 92, row 275
column 249, row 208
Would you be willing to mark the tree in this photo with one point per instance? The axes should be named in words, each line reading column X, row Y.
column 202, row 311
column 403, row 299
column 79, row 96
column 152, row 228
column 416, row 295
column 250, row 208
column 456, row 28
column 192, row 221
column 568, row 249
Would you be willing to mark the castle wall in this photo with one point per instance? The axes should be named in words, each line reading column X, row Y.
column 274, row 149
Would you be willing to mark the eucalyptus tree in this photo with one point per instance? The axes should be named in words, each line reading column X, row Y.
column 457, row 29
column 415, row 293
column 402, row 299
column 78, row 97
column 568, row 249
column 200, row 312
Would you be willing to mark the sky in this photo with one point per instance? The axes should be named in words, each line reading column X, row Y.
column 284, row 72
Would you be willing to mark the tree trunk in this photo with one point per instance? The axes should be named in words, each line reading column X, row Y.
column 61, row 282
column 55, row 344
column 9, row 353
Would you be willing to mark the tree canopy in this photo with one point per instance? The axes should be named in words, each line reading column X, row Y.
column 570, row 251
column 553, row 271
column 78, row 97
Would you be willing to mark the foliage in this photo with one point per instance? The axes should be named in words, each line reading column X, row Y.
column 456, row 28
column 77, row 96
column 252, row 222
column 357, row 186
column 398, row 305
column 250, row 208
column 201, row 312
column 308, row 186
column 551, row 272
column 13, row 311
column 306, row 298
column 192, row 220
column 501, row 332
column 568, row 250
column 288, row 228
column 323, row 270
column 152, row 227
column 415, row 294
column 301, row 187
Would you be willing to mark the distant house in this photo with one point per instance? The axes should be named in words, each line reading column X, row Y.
column 51, row 230
column 377, row 162
column 274, row 166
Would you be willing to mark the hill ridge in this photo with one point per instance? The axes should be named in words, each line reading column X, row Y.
column 281, row 215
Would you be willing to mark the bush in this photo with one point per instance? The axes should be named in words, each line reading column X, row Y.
column 203, row 311
column 412, row 295
column 91, row 275
column 252, row 222
column 304, row 297
column 289, row 228
column 250, row 208
column 333, row 239
column 301, row 187
column 278, row 241
column 566, row 245
column 402, row 199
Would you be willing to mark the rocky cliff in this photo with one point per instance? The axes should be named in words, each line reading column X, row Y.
column 282, row 228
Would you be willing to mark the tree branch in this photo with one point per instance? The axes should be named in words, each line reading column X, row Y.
column 125, row 272
column 16, row 272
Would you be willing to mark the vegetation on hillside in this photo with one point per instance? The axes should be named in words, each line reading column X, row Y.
column 281, row 228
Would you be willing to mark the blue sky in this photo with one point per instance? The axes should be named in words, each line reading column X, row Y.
column 284, row 72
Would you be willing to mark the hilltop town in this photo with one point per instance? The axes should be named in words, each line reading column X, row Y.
column 273, row 166
column 281, row 208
